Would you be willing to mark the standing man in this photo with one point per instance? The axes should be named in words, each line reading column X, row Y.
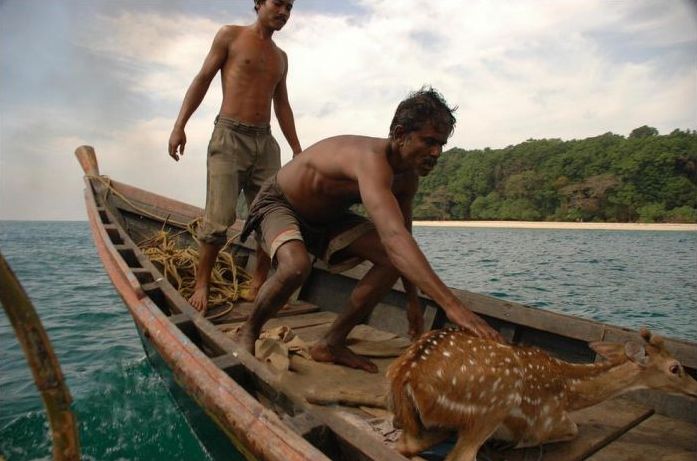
column 242, row 153
column 304, row 209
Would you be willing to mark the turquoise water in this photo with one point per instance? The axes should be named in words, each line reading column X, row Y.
column 625, row 278
column 123, row 407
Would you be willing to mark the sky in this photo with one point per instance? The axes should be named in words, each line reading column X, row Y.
column 113, row 73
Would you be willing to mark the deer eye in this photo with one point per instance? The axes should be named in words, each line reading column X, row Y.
column 674, row 369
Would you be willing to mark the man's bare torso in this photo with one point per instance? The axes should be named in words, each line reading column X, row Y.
column 321, row 182
column 252, row 69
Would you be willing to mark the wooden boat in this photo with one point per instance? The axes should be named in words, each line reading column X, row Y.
column 322, row 411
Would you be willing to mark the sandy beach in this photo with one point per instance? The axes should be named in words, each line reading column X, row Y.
column 561, row 225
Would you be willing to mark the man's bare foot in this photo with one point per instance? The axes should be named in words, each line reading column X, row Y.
column 246, row 338
column 341, row 355
column 200, row 299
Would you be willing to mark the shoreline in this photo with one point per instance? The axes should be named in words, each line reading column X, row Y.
column 562, row 225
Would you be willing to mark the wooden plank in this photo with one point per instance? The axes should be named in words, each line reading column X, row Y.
column 296, row 322
column 243, row 309
column 657, row 438
column 598, row 426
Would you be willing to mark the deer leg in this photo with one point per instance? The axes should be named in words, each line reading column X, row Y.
column 465, row 448
column 469, row 441
column 563, row 431
column 557, row 431
column 410, row 444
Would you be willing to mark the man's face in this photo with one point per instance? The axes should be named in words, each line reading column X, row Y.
column 275, row 13
column 422, row 148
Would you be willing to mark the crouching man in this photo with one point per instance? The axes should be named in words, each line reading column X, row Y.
column 305, row 209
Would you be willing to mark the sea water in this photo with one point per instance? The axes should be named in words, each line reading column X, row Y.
column 124, row 410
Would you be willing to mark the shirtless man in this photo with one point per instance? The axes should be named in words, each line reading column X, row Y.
column 304, row 208
column 242, row 153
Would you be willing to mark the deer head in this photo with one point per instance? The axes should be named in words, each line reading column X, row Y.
column 657, row 367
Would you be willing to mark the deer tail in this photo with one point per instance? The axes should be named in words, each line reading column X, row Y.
column 400, row 401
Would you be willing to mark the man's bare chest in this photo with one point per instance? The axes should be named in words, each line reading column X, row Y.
column 258, row 62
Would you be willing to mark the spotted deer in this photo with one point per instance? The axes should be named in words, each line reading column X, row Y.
column 449, row 381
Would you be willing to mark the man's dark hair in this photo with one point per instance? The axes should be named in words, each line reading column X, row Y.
column 257, row 4
column 421, row 107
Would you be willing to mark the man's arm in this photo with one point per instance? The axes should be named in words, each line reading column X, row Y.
column 415, row 313
column 197, row 90
column 374, row 179
column 284, row 113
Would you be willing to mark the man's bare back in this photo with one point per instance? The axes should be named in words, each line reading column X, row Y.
column 322, row 182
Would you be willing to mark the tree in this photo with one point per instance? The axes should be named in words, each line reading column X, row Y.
column 643, row 132
column 603, row 178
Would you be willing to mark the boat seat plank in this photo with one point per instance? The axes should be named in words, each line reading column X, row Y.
column 296, row 322
column 243, row 309
column 657, row 438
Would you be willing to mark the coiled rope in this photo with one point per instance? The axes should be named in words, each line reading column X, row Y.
column 178, row 262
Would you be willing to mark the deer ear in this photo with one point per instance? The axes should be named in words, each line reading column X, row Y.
column 636, row 353
column 611, row 351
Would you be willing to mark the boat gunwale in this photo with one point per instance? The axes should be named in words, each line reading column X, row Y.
column 252, row 427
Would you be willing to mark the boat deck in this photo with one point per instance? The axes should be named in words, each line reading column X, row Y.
column 619, row 429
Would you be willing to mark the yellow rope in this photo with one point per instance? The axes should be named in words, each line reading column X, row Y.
column 106, row 181
column 228, row 282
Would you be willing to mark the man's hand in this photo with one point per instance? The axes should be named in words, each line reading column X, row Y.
column 465, row 318
column 177, row 141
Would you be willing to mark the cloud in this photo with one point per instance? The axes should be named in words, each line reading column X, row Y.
column 516, row 69
column 163, row 52
column 522, row 69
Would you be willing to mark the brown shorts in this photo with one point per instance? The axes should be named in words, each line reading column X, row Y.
column 275, row 222
column 240, row 157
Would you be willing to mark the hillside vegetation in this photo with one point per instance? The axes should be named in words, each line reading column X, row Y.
column 644, row 177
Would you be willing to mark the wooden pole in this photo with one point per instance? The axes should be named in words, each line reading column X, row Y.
column 88, row 160
column 43, row 363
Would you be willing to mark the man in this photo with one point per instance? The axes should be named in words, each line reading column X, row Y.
column 305, row 208
column 242, row 154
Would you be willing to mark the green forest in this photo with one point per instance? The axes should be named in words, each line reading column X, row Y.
column 644, row 177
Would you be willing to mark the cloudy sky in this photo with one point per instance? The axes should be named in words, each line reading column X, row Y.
column 112, row 74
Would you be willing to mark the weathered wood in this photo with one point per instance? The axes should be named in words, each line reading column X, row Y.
column 598, row 426
column 242, row 310
column 43, row 364
column 88, row 160
column 298, row 321
column 657, row 438
column 255, row 430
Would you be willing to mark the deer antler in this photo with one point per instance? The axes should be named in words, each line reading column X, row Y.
column 652, row 339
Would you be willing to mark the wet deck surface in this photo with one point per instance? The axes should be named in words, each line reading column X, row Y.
column 619, row 429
